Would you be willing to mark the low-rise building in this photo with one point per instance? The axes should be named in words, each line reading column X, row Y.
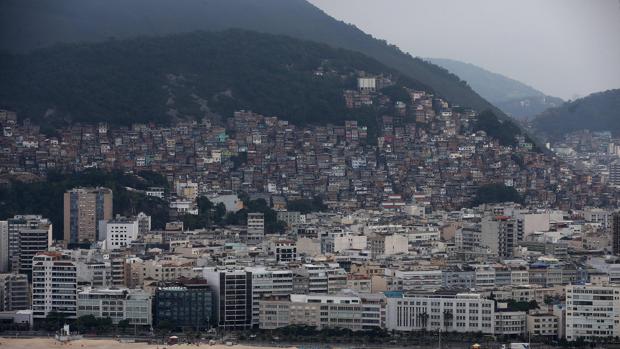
column 118, row 304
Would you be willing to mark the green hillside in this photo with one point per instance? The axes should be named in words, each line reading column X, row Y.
column 596, row 112
column 187, row 76
column 55, row 21
column 511, row 96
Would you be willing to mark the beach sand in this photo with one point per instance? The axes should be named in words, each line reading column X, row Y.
column 50, row 343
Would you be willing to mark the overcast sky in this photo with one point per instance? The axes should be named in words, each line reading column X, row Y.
column 565, row 48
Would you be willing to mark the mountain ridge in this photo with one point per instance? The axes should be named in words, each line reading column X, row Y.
column 90, row 20
column 513, row 97
column 599, row 111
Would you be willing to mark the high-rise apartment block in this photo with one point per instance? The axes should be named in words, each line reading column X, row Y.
column 26, row 235
column 615, row 233
column 54, row 285
column 83, row 209
column 14, row 292
column 592, row 312
column 256, row 228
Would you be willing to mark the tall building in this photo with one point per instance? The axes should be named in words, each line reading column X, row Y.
column 256, row 228
column 83, row 209
column 267, row 283
column 615, row 232
column 501, row 234
column 232, row 294
column 4, row 246
column 117, row 304
column 592, row 312
column 614, row 173
column 54, row 285
column 188, row 304
column 14, row 292
column 27, row 236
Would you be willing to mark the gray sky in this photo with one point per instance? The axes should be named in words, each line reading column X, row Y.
column 561, row 47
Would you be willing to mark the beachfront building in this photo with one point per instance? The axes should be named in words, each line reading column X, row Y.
column 117, row 304
column 54, row 285
column 187, row 304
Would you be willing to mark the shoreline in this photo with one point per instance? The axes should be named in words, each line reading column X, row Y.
column 93, row 343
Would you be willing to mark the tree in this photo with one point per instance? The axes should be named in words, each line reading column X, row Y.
column 504, row 131
column 123, row 325
column 495, row 193
column 54, row 320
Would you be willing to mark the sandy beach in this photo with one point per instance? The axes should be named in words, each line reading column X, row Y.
column 50, row 343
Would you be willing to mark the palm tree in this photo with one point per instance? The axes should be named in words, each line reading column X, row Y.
column 447, row 318
column 423, row 317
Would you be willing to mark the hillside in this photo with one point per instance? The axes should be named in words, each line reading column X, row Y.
column 55, row 21
column 596, row 112
column 511, row 96
column 187, row 76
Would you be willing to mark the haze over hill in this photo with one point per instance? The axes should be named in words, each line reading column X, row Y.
column 511, row 96
column 95, row 20
column 596, row 112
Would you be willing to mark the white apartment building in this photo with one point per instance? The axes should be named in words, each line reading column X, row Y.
column 543, row 325
column 510, row 323
column 118, row 304
column 485, row 276
column 460, row 313
column 592, row 312
column 322, row 311
column 119, row 232
column 319, row 278
column 54, row 285
column 255, row 228
column 388, row 244
column 416, row 280
column 267, row 283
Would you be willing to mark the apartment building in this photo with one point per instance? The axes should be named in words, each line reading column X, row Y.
column 321, row 311
column 4, row 247
column 267, row 283
column 501, row 234
column 255, row 228
column 416, row 280
column 83, row 209
column 319, row 278
column 119, row 232
column 592, row 312
column 232, row 295
column 14, row 292
column 543, row 325
column 54, row 285
column 27, row 236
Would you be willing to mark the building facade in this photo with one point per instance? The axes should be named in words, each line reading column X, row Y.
column 592, row 312
column 117, row 304
column 54, row 285
column 83, row 209
column 459, row 313
column 232, row 294
column 186, row 304
column 14, row 292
